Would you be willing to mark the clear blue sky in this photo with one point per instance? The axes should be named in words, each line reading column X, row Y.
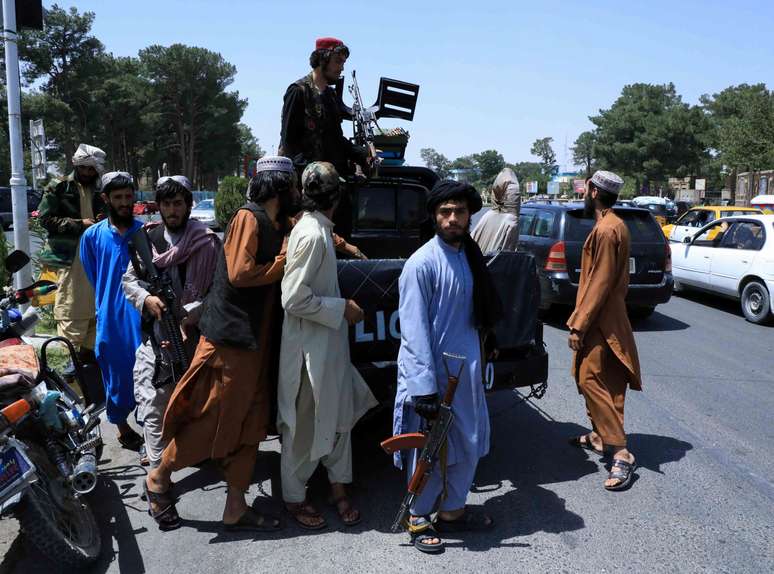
column 493, row 74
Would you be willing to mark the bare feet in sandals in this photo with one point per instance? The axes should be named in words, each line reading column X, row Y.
column 306, row 515
column 346, row 510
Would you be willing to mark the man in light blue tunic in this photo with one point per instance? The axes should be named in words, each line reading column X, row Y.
column 105, row 256
column 447, row 304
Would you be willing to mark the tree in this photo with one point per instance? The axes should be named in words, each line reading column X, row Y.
column 649, row 134
column 189, row 85
column 230, row 197
column 542, row 149
column 527, row 171
column 436, row 161
column 489, row 163
column 583, row 151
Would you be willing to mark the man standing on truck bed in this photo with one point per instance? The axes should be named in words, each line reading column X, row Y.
column 312, row 113
column 447, row 304
column 605, row 358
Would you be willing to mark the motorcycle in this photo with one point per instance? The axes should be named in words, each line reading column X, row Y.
column 50, row 441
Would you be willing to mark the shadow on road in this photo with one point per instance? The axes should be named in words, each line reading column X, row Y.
column 654, row 450
column 557, row 317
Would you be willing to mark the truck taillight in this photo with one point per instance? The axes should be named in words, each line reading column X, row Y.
column 668, row 265
column 557, row 260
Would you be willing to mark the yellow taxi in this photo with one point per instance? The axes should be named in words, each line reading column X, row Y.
column 697, row 217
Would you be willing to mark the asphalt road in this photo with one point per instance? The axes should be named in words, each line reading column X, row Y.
column 703, row 500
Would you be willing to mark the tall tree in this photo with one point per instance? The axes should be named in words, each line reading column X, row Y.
column 583, row 151
column 649, row 134
column 489, row 164
column 435, row 161
column 542, row 149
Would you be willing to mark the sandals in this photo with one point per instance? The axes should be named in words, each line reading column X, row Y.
column 622, row 471
column 421, row 530
column 301, row 510
column 131, row 440
column 255, row 522
column 167, row 518
column 344, row 506
column 469, row 521
column 585, row 444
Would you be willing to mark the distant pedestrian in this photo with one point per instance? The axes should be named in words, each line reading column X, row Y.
column 605, row 360
column 105, row 256
column 498, row 228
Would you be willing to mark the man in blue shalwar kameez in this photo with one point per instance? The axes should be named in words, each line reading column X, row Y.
column 447, row 304
column 105, row 256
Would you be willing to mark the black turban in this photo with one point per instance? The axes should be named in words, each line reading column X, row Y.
column 447, row 189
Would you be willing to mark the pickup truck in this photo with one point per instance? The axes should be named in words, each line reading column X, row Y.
column 387, row 219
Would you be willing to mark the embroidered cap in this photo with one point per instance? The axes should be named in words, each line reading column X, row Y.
column 607, row 181
column 181, row 179
column 274, row 163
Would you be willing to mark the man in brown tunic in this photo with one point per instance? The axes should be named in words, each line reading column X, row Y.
column 220, row 408
column 605, row 360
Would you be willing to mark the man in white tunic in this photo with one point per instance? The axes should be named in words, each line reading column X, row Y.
column 321, row 395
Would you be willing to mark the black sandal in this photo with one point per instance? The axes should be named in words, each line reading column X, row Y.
column 254, row 521
column 622, row 471
column 469, row 521
column 131, row 440
column 585, row 444
column 421, row 531
column 167, row 517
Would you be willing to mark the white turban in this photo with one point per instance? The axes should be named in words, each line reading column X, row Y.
column 506, row 191
column 181, row 179
column 90, row 156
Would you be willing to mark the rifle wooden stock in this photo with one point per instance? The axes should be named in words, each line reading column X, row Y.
column 450, row 390
column 419, row 478
column 404, row 442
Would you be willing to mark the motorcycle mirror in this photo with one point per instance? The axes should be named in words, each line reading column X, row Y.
column 16, row 260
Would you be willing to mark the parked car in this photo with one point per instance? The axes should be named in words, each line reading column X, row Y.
column 662, row 208
column 732, row 257
column 696, row 218
column 555, row 234
column 6, row 207
column 204, row 211
column 145, row 208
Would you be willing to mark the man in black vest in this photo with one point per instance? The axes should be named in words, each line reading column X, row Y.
column 312, row 113
column 186, row 251
column 220, row 408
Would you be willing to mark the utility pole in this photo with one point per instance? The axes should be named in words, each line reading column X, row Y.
column 21, row 233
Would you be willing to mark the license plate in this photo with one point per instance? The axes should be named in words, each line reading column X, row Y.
column 632, row 266
column 14, row 469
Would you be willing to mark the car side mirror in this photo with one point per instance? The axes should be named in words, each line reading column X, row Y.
column 687, row 239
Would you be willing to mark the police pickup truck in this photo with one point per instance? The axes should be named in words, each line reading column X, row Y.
column 386, row 218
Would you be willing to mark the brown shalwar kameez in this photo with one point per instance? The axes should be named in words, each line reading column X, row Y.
column 220, row 408
column 608, row 361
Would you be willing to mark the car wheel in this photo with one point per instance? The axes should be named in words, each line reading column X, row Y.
column 756, row 303
column 678, row 287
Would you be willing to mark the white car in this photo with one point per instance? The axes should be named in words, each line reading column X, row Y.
column 733, row 257
column 204, row 211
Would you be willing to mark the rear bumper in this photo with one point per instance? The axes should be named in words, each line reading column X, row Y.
column 558, row 289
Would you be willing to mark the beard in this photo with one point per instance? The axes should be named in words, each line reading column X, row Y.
column 588, row 206
column 118, row 219
column 453, row 235
column 86, row 180
column 178, row 227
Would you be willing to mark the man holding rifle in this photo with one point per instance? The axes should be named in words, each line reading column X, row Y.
column 312, row 113
column 447, row 305
column 184, row 253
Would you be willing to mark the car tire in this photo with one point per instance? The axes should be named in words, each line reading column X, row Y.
column 756, row 303
column 678, row 287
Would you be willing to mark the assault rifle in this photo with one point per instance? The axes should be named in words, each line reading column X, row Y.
column 160, row 285
column 430, row 442
column 363, row 121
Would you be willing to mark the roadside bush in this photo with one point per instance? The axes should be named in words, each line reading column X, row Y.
column 230, row 197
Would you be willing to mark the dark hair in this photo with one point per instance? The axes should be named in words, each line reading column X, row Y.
column 268, row 184
column 320, row 58
column 606, row 198
column 170, row 188
column 119, row 182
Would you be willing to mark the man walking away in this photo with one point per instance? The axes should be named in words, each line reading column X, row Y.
column 498, row 229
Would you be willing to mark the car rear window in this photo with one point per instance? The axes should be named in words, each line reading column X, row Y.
column 642, row 227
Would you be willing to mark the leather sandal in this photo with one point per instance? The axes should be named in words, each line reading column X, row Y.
column 421, row 530
column 584, row 442
column 300, row 510
column 254, row 521
column 166, row 517
column 622, row 471
column 344, row 506
column 468, row 521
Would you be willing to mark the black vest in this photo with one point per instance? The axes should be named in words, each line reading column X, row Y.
column 233, row 315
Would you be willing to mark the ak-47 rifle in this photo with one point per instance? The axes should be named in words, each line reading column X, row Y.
column 160, row 285
column 364, row 120
column 430, row 442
